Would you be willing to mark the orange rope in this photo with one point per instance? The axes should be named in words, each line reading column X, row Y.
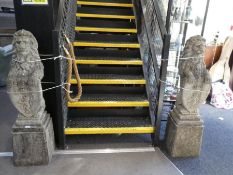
column 71, row 62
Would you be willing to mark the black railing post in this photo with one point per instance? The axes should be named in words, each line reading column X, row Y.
column 65, row 24
column 163, row 73
column 186, row 26
column 139, row 14
column 155, row 42
column 59, row 120
column 168, row 19
column 205, row 17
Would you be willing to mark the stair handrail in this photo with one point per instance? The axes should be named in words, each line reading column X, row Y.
column 155, row 43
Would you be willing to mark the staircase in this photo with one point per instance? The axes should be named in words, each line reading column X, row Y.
column 114, row 99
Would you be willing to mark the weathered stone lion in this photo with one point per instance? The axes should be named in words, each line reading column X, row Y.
column 24, row 79
column 184, row 127
column 195, row 79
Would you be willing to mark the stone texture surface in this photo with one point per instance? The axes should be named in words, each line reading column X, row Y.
column 33, row 145
column 184, row 138
column 185, row 128
column 193, row 77
column 24, row 78
column 33, row 138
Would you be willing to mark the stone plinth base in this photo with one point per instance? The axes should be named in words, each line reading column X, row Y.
column 184, row 137
column 33, row 144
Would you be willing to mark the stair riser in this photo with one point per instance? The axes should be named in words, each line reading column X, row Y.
column 104, row 69
column 105, row 23
column 107, row 53
column 105, row 38
column 111, row 89
column 105, row 112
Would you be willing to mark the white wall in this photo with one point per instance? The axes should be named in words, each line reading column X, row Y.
column 220, row 18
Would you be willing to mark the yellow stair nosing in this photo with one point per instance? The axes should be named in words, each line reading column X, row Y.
column 99, row 29
column 104, row 4
column 108, row 45
column 86, row 15
column 120, row 130
column 87, row 104
column 109, row 81
column 110, row 62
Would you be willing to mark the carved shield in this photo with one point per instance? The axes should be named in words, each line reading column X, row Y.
column 28, row 100
column 190, row 98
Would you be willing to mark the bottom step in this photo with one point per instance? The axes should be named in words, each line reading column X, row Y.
column 109, row 125
column 129, row 130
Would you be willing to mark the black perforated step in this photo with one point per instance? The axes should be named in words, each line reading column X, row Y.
column 106, row 38
column 113, row 97
column 111, row 89
column 105, row 24
column 107, row 122
column 105, row 11
column 105, row 112
column 107, row 54
column 110, row 76
column 113, row 70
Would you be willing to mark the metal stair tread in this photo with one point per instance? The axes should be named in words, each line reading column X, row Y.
column 109, row 125
column 113, row 54
column 106, row 45
column 106, row 38
column 108, row 121
column 113, row 69
column 109, row 61
column 104, row 30
column 102, row 58
column 116, row 112
column 110, row 79
column 111, row 76
column 110, row 1
column 122, row 130
column 108, row 104
column 113, row 97
column 110, row 89
column 105, row 11
column 104, row 3
column 105, row 23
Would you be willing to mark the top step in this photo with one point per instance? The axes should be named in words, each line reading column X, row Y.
column 107, row 3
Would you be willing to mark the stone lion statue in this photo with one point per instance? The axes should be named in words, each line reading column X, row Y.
column 24, row 79
column 195, row 79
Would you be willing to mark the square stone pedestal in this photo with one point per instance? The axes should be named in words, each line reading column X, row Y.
column 184, row 137
column 33, row 143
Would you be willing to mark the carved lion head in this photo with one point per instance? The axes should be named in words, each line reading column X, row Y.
column 25, row 55
column 194, row 47
column 24, row 44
